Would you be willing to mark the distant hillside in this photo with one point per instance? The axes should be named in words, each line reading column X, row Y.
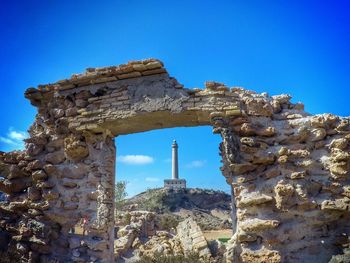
column 211, row 209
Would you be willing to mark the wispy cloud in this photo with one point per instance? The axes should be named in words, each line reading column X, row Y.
column 196, row 164
column 135, row 159
column 152, row 179
column 14, row 138
column 167, row 160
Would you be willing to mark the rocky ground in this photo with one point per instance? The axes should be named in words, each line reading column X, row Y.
column 173, row 225
column 142, row 237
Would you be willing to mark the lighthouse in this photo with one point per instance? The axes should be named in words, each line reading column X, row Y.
column 175, row 165
column 175, row 183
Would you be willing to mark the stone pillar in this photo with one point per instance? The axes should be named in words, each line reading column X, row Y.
column 83, row 177
column 175, row 168
column 102, row 176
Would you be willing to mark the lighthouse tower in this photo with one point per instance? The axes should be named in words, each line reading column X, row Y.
column 175, row 183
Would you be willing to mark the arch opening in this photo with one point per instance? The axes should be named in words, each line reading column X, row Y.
column 144, row 162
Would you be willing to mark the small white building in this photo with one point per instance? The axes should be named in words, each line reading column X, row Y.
column 175, row 183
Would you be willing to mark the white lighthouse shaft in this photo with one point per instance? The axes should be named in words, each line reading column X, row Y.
column 175, row 168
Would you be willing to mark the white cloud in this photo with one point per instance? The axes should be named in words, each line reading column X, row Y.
column 135, row 159
column 196, row 164
column 7, row 140
column 167, row 160
column 14, row 138
column 152, row 179
column 17, row 135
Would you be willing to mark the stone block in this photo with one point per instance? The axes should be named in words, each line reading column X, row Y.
column 134, row 74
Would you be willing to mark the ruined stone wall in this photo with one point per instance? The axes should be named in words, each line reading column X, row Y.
column 290, row 174
column 289, row 170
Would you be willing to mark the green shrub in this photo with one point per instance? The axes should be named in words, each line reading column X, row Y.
column 126, row 219
column 154, row 201
column 169, row 221
column 224, row 239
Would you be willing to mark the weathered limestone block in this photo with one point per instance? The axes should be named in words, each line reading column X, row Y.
column 258, row 107
column 34, row 165
column 34, row 149
column 340, row 143
column 92, row 195
column 81, row 103
column 13, row 186
column 258, row 225
column 317, row 134
column 153, row 72
column 339, row 169
column 266, row 132
column 338, row 155
column 72, row 171
column 192, row 238
column 242, row 168
column 129, row 75
column 338, row 204
column 97, row 245
column 55, row 157
column 13, row 172
column 343, row 125
column 39, row 175
column 324, row 121
column 252, row 199
column 297, row 175
column 284, row 195
column 75, row 149
column 282, row 99
column 34, row 194
column 271, row 173
column 57, row 113
column 339, row 164
column 248, row 129
column 70, row 205
column 50, row 195
column 263, row 157
column 243, row 236
column 70, row 112
column 126, row 237
column 345, row 258
column 213, row 85
column 261, row 256
column 69, row 183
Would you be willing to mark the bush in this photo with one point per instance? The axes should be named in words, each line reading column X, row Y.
column 154, row 201
column 126, row 219
column 169, row 221
column 224, row 239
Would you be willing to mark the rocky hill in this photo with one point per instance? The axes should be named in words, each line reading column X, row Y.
column 209, row 208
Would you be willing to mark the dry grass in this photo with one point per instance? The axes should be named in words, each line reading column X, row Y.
column 216, row 234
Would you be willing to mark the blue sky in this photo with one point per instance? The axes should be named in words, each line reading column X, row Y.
column 144, row 159
column 296, row 47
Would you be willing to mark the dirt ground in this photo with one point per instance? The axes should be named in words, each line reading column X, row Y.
column 215, row 234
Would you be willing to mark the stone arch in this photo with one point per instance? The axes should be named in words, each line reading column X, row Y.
column 288, row 169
